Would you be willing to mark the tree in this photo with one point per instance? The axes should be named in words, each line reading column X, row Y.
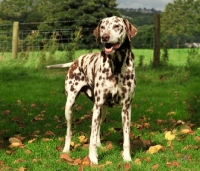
column 21, row 11
column 65, row 16
column 182, row 17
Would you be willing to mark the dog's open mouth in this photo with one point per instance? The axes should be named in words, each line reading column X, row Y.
column 110, row 48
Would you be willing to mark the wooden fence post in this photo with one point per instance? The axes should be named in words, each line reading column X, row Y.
column 15, row 39
column 156, row 43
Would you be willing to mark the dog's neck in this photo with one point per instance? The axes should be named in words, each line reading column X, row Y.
column 119, row 57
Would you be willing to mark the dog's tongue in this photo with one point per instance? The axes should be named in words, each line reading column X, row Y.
column 109, row 50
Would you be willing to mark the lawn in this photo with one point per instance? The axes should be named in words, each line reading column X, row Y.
column 165, row 130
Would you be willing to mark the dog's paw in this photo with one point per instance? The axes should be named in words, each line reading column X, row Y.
column 93, row 160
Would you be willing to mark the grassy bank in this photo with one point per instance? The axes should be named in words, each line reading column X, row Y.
column 167, row 99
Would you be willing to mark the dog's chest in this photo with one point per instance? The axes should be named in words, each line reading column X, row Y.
column 113, row 87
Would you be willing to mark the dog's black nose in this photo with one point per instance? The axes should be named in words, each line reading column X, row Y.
column 105, row 37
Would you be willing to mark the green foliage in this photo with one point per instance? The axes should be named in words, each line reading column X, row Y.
column 141, row 61
column 144, row 37
column 165, row 55
column 193, row 61
column 138, row 18
column 181, row 18
column 78, row 14
column 5, row 35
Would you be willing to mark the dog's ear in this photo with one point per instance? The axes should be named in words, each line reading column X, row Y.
column 96, row 31
column 131, row 31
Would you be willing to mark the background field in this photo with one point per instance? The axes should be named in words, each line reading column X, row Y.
column 167, row 98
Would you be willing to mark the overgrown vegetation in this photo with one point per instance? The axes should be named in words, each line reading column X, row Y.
column 165, row 132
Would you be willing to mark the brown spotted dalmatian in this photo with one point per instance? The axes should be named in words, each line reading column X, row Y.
column 107, row 78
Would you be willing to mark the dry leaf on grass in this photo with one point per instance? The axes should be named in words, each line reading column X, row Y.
column 46, row 139
column 22, row 169
column 14, row 142
column 137, row 161
column 127, row 167
column 49, row 133
column 169, row 136
column 86, row 161
column 155, row 149
column 28, row 151
column 197, row 138
column 101, row 165
column 6, row 112
column 173, row 163
column 66, row 157
column 31, row 141
column 155, row 167
column 83, row 139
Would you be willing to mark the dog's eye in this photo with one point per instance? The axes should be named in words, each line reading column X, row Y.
column 102, row 27
column 116, row 26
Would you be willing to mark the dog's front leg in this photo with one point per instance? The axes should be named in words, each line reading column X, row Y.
column 93, row 137
column 126, row 120
column 102, row 116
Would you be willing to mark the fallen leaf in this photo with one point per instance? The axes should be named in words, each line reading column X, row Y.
column 197, row 138
column 169, row 136
column 155, row 149
column 146, row 125
column 76, row 146
column 31, row 141
column 86, row 161
column 66, row 157
column 101, row 165
column 159, row 121
column 72, row 143
column 171, row 113
column 185, row 129
column 6, row 112
column 77, row 161
column 155, row 167
column 59, row 148
column 173, row 163
column 36, row 160
column 127, row 166
column 137, row 161
column 83, row 139
column 46, row 139
column 109, row 145
column 21, row 169
column 19, row 160
column 33, row 105
column 15, row 142
column 28, row 151
column 49, row 133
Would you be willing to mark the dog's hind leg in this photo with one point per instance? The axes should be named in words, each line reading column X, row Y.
column 103, row 115
column 72, row 90
column 68, row 116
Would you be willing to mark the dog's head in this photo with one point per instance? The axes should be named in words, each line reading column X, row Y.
column 113, row 31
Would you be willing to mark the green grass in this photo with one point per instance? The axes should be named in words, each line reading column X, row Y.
column 35, row 98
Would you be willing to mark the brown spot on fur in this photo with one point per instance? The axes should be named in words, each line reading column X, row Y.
column 129, row 84
column 73, row 67
column 72, row 88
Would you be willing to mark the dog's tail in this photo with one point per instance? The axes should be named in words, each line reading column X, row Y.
column 66, row 65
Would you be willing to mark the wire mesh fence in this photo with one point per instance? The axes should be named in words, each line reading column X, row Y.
column 37, row 39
